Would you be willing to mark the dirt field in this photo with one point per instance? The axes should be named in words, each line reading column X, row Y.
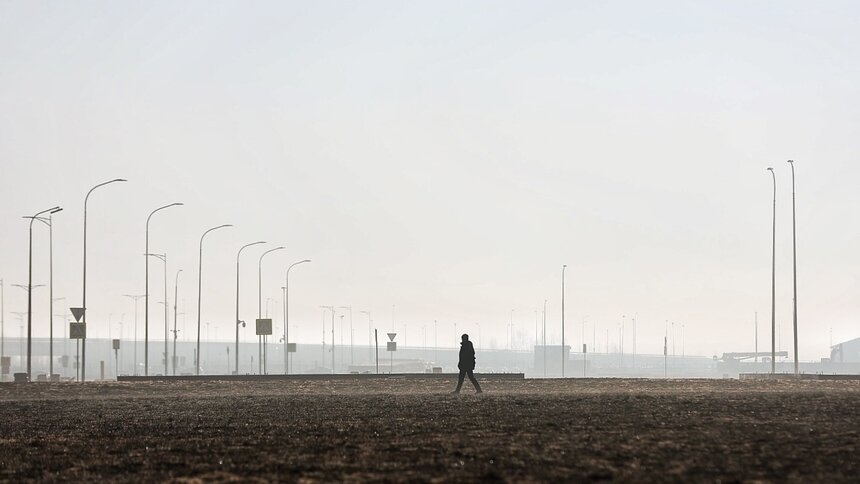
column 530, row 430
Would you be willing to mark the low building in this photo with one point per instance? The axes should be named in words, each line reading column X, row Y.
column 846, row 352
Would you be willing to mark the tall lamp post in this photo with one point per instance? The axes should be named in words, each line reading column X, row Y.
column 52, row 210
column 773, row 282
column 262, row 339
column 84, row 301
column 50, row 223
column 562, row 319
column 146, row 292
column 200, row 293
column 238, row 321
column 794, row 262
column 287, row 315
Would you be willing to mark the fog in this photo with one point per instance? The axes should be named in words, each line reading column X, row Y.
column 438, row 162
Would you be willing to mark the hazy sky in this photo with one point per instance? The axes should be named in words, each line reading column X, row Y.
column 443, row 157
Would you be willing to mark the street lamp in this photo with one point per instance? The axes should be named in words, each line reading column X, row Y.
column 238, row 322
column 287, row 314
column 261, row 339
column 84, row 301
column 200, row 294
column 50, row 223
column 773, row 282
column 794, row 261
column 52, row 211
column 146, row 293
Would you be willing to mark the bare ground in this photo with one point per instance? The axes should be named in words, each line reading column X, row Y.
column 398, row 429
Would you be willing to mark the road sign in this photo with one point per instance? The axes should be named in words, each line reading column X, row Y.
column 116, row 344
column 392, row 346
column 291, row 347
column 77, row 330
column 584, row 348
column 78, row 313
column 5, row 363
column 391, row 336
column 264, row 327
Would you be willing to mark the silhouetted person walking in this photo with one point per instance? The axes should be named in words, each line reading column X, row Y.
column 467, row 364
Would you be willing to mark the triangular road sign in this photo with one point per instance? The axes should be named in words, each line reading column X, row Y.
column 78, row 313
column 391, row 336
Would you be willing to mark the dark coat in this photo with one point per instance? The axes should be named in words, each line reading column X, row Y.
column 467, row 356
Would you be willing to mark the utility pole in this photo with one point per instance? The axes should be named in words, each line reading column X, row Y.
column 794, row 262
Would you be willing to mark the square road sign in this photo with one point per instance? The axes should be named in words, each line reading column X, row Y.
column 264, row 327
column 77, row 330
column 392, row 346
column 291, row 347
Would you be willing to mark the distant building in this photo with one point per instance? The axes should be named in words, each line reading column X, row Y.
column 847, row 352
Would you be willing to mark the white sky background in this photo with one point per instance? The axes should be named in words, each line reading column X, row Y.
column 443, row 157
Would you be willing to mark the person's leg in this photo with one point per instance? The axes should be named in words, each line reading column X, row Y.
column 460, row 381
column 474, row 381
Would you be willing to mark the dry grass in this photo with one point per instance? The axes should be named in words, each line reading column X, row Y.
column 399, row 429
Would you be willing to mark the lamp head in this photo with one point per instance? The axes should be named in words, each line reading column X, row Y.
column 55, row 210
column 770, row 168
column 790, row 161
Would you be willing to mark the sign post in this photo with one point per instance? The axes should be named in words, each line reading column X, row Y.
column 264, row 328
column 391, row 348
column 116, row 356
column 78, row 334
column 584, row 360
